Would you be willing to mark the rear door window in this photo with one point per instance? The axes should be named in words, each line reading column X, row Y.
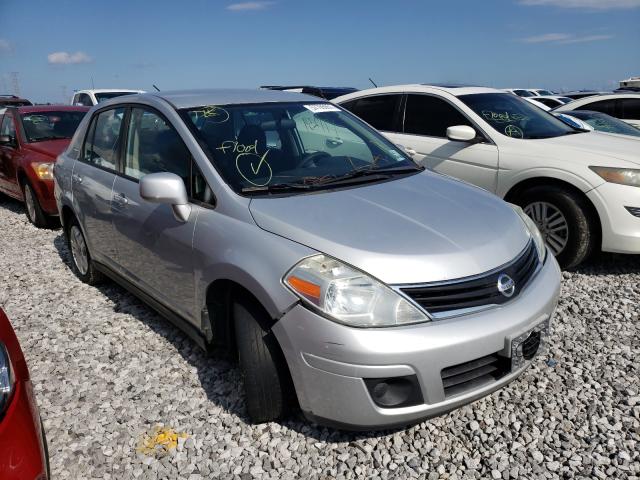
column 431, row 116
column 379, row 111
column 604, row 106
column 630, row 108
column 103, row 139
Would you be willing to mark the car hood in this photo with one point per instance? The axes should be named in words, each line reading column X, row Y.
column 422, row 228
column 49, row 148
column 617, row 150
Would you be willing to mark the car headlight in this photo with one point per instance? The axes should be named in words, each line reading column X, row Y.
column 6, row 378
column 623, row 176
column 348, row 295
column 44, row 170
column 533, row 230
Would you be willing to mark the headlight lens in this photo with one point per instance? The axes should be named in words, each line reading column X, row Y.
column 43, row 170
column 6, row 378
column 533, row 230
column 622, row 176
column 350, row 296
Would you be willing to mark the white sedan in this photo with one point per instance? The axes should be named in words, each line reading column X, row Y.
column 581, row 188
column 625, row 106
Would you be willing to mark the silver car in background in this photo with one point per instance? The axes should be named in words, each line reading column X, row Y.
column 282, row 229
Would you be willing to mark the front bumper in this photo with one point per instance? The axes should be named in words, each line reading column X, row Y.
column 620, row 229
column 329, row 361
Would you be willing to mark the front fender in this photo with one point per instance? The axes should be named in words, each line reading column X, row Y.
column 509, row 179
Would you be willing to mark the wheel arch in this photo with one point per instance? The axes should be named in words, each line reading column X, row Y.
column 518, row 189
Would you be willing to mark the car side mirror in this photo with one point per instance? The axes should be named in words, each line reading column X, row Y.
column 461, row 133
column 168, row 189
column 6, row 140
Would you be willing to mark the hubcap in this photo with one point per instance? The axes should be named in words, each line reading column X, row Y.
column 552, row 225
column 30, row 202
column 79, row 250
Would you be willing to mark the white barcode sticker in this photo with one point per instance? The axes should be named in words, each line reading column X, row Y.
column 322, row 107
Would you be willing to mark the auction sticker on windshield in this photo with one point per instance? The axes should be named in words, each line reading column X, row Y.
column 322, row 107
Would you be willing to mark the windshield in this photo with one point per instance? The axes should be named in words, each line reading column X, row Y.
column 515, row 117
column 40, row 126
column 101, row 97
column 605, row 123
column 523, row 93
column 544, row 92
column 279, row 146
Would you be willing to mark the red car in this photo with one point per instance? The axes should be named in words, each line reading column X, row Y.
column 31, row 138
column 23, row 447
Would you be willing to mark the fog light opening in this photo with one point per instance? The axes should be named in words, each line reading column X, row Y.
column 395, row 392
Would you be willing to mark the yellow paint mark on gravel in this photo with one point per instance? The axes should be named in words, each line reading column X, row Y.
column 159, row 441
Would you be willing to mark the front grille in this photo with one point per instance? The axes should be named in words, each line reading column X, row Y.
column 474, row 374
column 477, row 291
column 635, row 211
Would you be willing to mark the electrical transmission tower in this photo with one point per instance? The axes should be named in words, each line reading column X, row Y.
column 15, row 83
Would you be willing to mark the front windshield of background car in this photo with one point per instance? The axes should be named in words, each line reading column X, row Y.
column 605, row 123
column 295, row 146
column 545, row 92
column 101, row 97
column 41, row 126
column 514, row 117
column 523, row 93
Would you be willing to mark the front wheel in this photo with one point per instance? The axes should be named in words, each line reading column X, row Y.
column 564, row 220
column 34, row 211
column 262, row 364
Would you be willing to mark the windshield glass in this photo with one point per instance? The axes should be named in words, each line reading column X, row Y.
column 264, row 147
column 544, row 92
column 40, row 126
column 515, row 117
column 523, row 93
column 101, row 97
column 605, row 123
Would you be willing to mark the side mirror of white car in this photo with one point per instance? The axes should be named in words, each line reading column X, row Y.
column 461, row 133
column 167, row 188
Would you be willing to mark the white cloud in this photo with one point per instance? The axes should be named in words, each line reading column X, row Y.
column 66, row 58
column 585, row 4
column 245, row 6
column 564, row 38
column 5, row 46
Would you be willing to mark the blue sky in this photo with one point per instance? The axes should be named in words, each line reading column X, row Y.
column 61, row 45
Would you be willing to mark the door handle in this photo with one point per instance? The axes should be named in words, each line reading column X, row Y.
column 76, row 178
column 120, row 199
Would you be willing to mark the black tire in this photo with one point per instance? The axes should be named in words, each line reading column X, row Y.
column 32, row 209
column 45, row 444
column 88, row 274
column 582, row 235
column 266, row 377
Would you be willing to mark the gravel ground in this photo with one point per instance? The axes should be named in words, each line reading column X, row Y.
column 107, row 370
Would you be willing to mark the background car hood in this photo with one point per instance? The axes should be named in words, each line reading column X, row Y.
column 50, row 148
column 599, row 145
column 421, row 228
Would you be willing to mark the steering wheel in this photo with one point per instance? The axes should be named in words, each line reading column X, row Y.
column 312, row 159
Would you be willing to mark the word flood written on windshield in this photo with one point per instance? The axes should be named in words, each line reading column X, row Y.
column 252, row 166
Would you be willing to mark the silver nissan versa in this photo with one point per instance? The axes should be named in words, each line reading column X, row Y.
column 284, row 230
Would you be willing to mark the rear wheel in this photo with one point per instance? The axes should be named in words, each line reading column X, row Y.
column 266, row 381
column 565, row 222
column 33, row 209
column 81, row 261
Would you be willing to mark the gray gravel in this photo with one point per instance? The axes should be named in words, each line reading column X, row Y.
column 107, row 370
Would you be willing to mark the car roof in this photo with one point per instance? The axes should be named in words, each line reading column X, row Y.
column 51, row 108
column 420, row 88
column 107, row 90
column 199, row 98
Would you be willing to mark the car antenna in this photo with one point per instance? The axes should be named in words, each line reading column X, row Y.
column 155, row 87
column 374, row 83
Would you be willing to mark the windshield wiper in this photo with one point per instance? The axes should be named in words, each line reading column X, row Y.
column 50, row 137
column 277, row 188
column 372, row 174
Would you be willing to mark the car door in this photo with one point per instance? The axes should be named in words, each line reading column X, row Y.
column 154, row 248
column 9, row 156
column 92, row 182
column 424, row 136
